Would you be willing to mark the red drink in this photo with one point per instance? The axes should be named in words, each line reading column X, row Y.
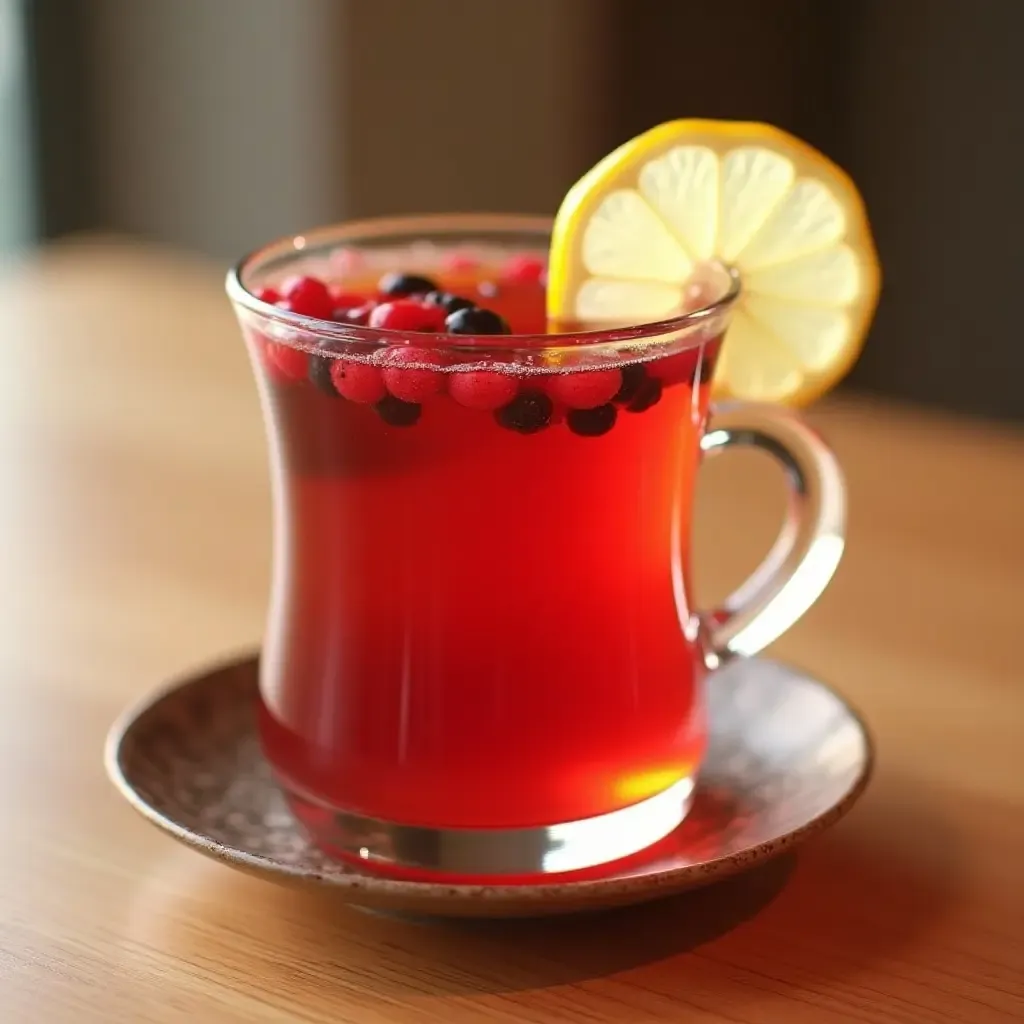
column 480, row 616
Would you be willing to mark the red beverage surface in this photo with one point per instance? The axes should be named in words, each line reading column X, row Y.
column 473, row 627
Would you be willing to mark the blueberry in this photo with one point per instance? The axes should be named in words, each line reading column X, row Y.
column 633, row 377
column 398, row 285
column 398, row 413
column 476, row 321
column 319, row 370
column 448, row 302
column 592, row 422
column 527, row 413
column 648, row 394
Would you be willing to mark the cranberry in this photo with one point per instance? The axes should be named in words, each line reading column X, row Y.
column 587, row 389
column 285, row 362
column 476, row 321
column 524, row 269
column 407, row 315
column 416, row 382
column 342, row 299
column 529, row 412
column 358, row 382
column 399, row 285
column 270, row 295
column 592, row 422
column 308, row 296
column 484, row 390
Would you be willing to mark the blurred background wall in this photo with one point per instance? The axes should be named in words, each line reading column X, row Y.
column 214, row 124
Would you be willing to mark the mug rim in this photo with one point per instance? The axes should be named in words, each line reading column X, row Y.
column 454, row 223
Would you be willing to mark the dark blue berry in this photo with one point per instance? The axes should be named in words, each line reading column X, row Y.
column 592, row 422
column 398, row 413
column 398, row 285
column 319, row 369
column 448, row 302
column 527, row 413
column 648, row 394
column 633, row 377
column 476, row 321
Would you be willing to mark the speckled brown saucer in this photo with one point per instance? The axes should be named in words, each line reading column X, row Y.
column 788, row 758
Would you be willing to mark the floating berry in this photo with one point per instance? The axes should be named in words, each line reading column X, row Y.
column 396, row 285
column 484, row 390
column 346, row 300
column 648, row 394
column 407, row 315
column 396, row 412
column 358, row 382
column 488, row 289
column 476, row 321
column 592, row 422
column 585, row 390
column 524, row 269
column 308, row 296
column 412, row 383
column 319, row 370
column 271, row 295
column 633, row 377
column 448, row 302
column 286, row 363
column 527, row 413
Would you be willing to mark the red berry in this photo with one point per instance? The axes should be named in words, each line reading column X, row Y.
column 358, row 382
column 524, row 269
column 271, row 295
column 586, row 389
column 412, row 383
column 483, row 389
column 308, row 296
column 285, row 362
column 346, row 300
column 408, row 315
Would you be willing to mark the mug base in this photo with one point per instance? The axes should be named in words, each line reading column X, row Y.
column 418, row 853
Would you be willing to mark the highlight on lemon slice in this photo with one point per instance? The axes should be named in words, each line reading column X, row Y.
column 636, row 230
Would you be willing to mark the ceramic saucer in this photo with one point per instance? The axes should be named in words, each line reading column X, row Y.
column 788, row 757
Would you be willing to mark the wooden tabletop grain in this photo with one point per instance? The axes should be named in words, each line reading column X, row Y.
column 134, row 535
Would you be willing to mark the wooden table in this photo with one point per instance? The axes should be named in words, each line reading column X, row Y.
column 134, row 540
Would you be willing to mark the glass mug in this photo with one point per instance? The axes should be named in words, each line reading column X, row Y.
column 482, row 656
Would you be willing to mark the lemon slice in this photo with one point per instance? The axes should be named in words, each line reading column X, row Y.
column 635, row 230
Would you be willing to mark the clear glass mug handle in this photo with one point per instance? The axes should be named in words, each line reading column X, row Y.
column 808, row 549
